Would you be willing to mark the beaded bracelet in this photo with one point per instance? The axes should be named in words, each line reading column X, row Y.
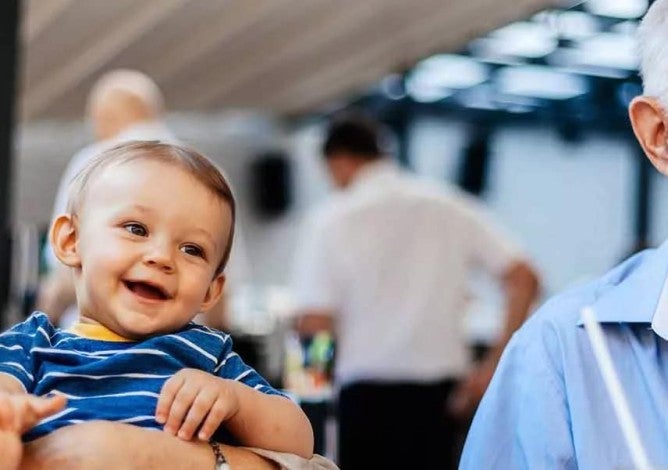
column 221, row 461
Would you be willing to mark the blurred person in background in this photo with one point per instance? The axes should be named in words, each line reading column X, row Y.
column 123, row 105
column 384, row 266
column 548, row 405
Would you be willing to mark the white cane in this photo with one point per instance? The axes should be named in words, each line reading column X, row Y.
column 614, row 387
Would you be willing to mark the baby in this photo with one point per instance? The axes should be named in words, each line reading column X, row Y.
column 147, row 234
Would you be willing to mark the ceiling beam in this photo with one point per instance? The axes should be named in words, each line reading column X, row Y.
column 330, row 21
column 245, row 41
column 352, row 71
column 39, row 15
column 212, row 37
column 343, row 60
column 123, row 34
column 375, row 27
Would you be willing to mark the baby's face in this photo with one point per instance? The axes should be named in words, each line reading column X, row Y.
column 150, row 237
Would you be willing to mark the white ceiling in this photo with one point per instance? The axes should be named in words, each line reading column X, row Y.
column 284, row 56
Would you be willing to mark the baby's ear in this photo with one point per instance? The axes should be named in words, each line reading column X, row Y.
column 64, row 236
column 213, row 293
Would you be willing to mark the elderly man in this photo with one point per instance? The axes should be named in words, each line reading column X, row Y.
column 123, row 105
column 547, row 405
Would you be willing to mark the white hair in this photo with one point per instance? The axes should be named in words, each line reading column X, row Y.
column 653, row 48
column 131, row 82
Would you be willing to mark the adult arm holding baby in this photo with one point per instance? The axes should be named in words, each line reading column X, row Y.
column 97, row 444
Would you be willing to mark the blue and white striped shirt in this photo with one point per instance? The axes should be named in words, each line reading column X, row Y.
column 111, row 380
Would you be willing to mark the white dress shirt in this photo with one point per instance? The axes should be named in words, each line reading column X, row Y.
column 391, row 257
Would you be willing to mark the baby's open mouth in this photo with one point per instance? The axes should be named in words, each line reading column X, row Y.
column 147, row 290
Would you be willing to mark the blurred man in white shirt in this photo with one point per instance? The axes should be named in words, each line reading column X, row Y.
column 385, row 265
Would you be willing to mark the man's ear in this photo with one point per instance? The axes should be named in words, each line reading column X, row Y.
column 64, row 237
column 213, row 293
column 650, row 126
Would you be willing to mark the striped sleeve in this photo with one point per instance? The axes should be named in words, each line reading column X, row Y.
column 231, row 366
column 16, row 345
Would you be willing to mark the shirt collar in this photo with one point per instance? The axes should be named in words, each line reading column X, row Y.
column 140, row 130
column 641, row 296
column 374, row 172
column 97, row 332
column 660, row 318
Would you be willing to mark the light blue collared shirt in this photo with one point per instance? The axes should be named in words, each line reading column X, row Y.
column 547, row 405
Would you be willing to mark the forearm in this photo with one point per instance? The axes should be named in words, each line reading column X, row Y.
column 106, row 445
column 271, row 422
column 521, row 288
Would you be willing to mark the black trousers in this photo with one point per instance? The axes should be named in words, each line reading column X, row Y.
column 398, row 425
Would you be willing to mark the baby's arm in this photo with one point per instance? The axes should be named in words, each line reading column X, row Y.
column 192, row 398
column 270, row 422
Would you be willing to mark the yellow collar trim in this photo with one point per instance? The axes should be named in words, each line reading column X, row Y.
column 98, row 332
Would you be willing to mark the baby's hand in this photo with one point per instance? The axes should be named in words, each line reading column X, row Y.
column 193, row 398
column 20, row 412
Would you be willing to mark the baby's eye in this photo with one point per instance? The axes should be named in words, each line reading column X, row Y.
column 193, row 250
column 136, row 229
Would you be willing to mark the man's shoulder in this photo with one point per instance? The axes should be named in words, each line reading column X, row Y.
column 439, row 197
column 558, row 317
column 405, row 189
column 329, row 212
column 87, row 153
column 80, row 159
column 562, row 313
